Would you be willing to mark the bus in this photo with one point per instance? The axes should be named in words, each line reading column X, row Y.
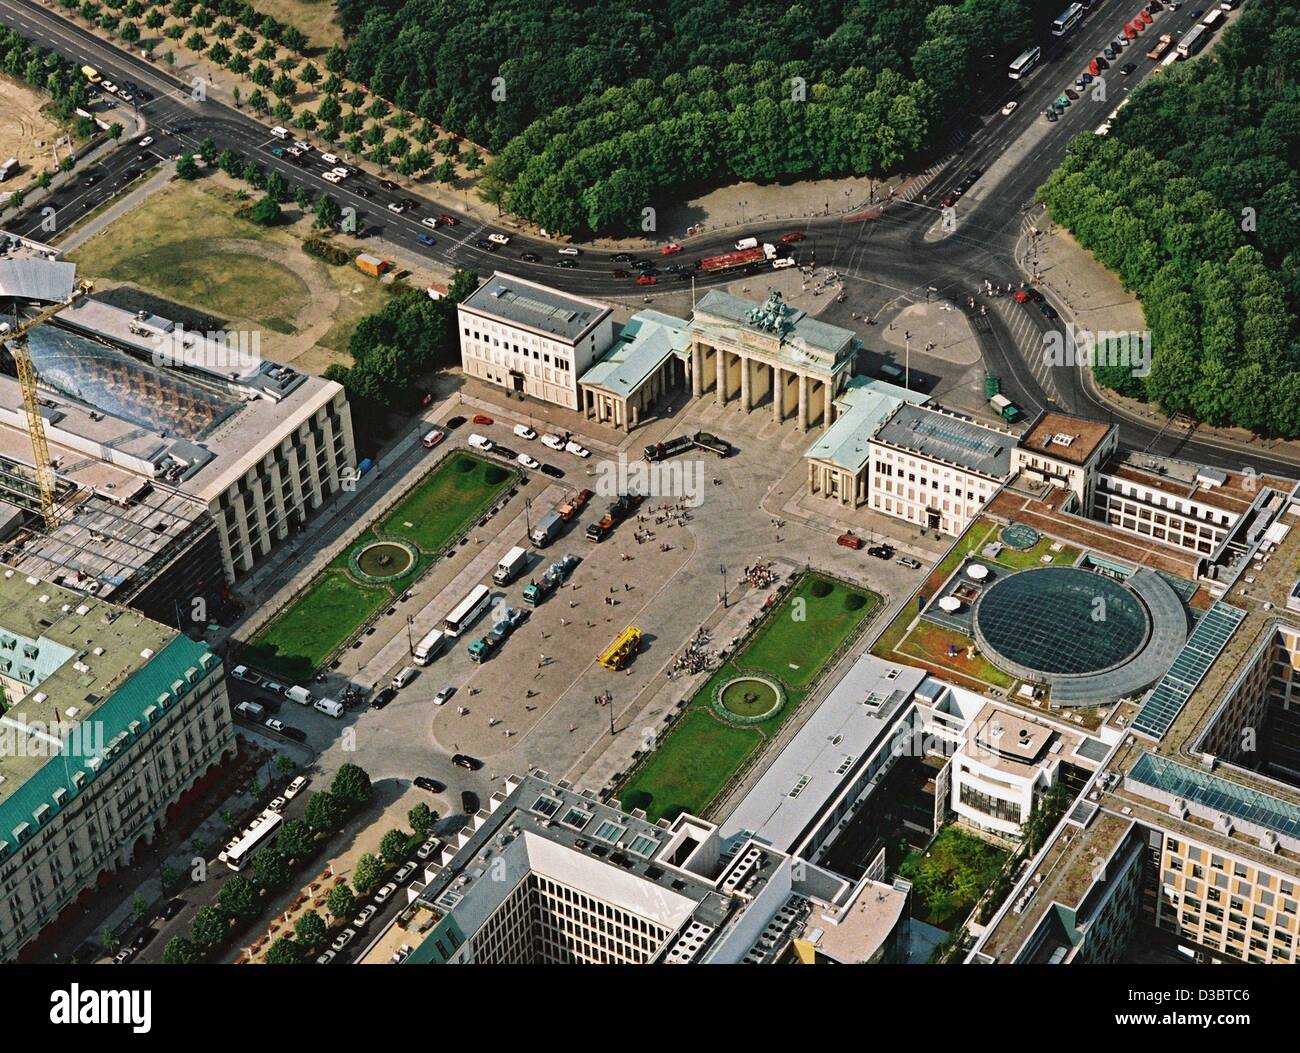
column 91, row 74
column 467, row 611
column 1026, row 61
column 261, row 830
column 1212, row 20
column 1192, row 42
column 1170, row 59
column 1067, row 20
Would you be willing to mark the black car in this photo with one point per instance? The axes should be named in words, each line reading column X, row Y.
column 568, row 265
column 881, row 551
column 505, row 451
column 173, row 907
column 1127, row 68
column 1034, row 294
column 454, row 423
column 383, row 698
column 621, row 257
column 483, row 243
column 363, row 191
column 388, row 184
column 432, row 785
column 411, row 204
column 1048, row 310
column 144, row 938
column 290, row 732
column 469, row 801
column 530, row 257
column 464, row 760
column 552, row 471
column 645, row 266
column 1101, row 62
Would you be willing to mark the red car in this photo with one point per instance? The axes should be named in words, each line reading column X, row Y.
column 1020, row 296
column 447, row 221
column 792, row 237
column 849, row 540
column 646, row 279
column 480, row 418
column 670, row 248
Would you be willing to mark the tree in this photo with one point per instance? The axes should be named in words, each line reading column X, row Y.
column 284, row 86
column 309, row 929
column 208, row 151
column 302, row 198
column 229, row 162
column 295, row 839
column 208, row 929
column 108, row 939
column 139, row 906
column 351, row 785
column 284, row 951
column 115, row 131
column 187, row 167
column 257, row 102
column 340, row 901
column 367, row 873
column 238, row 897
column 392, row 846
column 310, row 74
column 294, row 39
column 335, row 60
column 323, row 813
column 130, row 32
column 180, row 951
column 421, row 818
column 269, row 864
column 445, row 172
column 328, row 214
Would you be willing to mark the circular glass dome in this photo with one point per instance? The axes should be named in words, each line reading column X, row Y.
column 1060, row 621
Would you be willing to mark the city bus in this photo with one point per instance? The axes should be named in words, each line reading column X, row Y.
column 467, row 612
column 1192, row 42
column 1067, row 20
column 1212, row 20
column 1026, row 61
column 259, row 833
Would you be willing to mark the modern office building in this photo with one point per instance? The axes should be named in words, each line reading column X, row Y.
column 109, row 720
column 548, row 874
column 143, row 415
column 530, row 339
column 936, row 469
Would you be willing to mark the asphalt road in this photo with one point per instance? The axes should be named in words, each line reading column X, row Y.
column 897, row 253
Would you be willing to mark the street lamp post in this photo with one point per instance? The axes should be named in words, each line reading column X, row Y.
column 722, row 569
column 528, row 522
column 410, row 640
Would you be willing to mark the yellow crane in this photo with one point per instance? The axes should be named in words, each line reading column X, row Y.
column 16, row 338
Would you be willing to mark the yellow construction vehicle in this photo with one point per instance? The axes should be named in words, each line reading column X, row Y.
column 16, row 339
column 620, row 652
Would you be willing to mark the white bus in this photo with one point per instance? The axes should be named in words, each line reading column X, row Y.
column 1026, row 61
column 467, row 611
column 1192, row 42
column 428, row 647
column 261, row 831
column 1067, row 20
column 1170, row 59
column 1212, row 20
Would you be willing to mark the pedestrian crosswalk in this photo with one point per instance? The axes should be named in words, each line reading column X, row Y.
column 1027, row 339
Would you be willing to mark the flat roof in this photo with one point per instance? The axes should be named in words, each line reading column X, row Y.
column 843, row 728
column 1066, row 438
column 534, row 306
column 643, row 345
column 804, row 341
column 1233, row 492
column 942, row 436
column 1008, row 735
column 863, row 405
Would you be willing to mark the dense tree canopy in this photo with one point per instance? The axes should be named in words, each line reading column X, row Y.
column 1192, row 200
column 599, row 105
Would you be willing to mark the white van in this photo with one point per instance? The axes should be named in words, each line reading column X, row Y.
column 298, row 694
column 746, row 243
column 280, row 133
column 329, row 707
column 783, row 262
column 404, row 676
column 480, row 443
column 524, row 432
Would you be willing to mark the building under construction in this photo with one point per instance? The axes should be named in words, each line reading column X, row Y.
column 180, row 460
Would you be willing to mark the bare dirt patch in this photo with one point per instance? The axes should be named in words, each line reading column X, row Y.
column 26, row 132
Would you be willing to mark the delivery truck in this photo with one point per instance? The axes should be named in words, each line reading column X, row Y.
column 547, row 529
column 511, row 566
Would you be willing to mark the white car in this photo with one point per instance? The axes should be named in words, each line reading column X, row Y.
column 293, row 151
column 403, row 872
column 278, row 804
column 553, row 441
column 428, row 221
column 126, row 96
column 1009, row 108
column 294, row 788
column 385, row 892
column 300, row 144
column 498, row 239
column 343, row 939
column 332, row 177
column 109, row 87
column 363, row 919
column 525, row 432
column 329, row 159
column 273, row 724
column 327, row 957
column 569, row 250
column 577, row 449
column 123, row 955
column 443, row 694
column 480, row 442
column 144, row 140
column 426, row 849
column 528, row 462
column 783, row 263
column 396, row 206
column 341, row 172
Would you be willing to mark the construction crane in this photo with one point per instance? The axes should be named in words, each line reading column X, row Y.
column 16, row 338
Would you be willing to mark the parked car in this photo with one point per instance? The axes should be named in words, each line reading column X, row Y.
column 552, row 471
column 553, row 441
column 849, row 540
column 432, row 785
column 327, row 957
column 881, row 551
column 291, row 732
column 144, row 937
column 908, row 562
column 443, row 694
column 403, row 872
column 426, row 849
column 528, row 462
column 124, row 955
column 524, row 432
column 385, row 892
column 577, row 449
column 273, row 724
column 277, row 804
column 483, row 419
column 343, row 939
column 367, row 912
column 464, row 760
column 383, row 698
column 296, row 787
column 170, row 910
column 454, row 423
column 469, row 801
